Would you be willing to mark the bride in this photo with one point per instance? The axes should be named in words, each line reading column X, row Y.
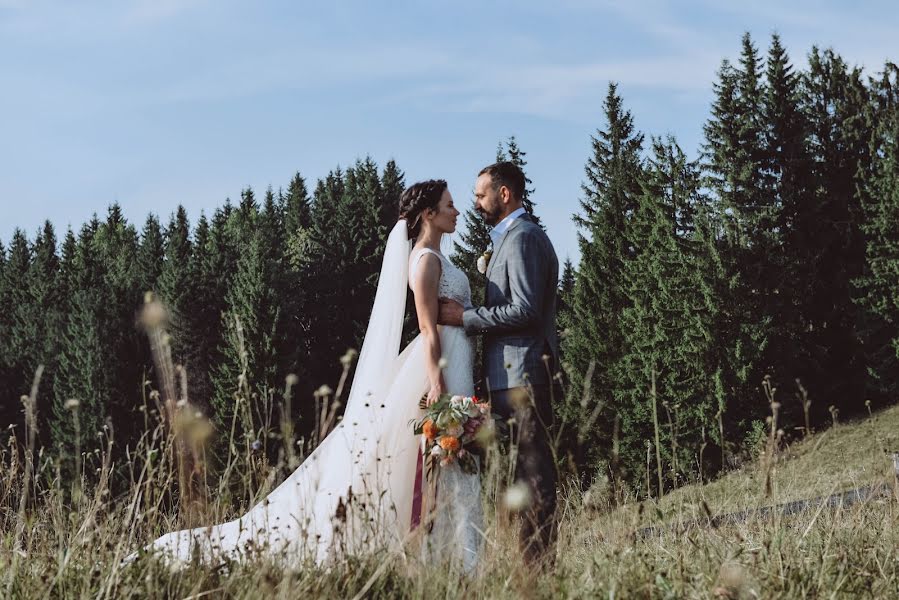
column 358, row 492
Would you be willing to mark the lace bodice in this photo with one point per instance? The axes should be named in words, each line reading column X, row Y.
column 453, row 281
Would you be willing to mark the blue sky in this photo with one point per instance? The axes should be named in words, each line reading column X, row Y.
column 155, row 103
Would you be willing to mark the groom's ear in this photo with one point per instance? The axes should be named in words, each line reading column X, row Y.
column 505, row 194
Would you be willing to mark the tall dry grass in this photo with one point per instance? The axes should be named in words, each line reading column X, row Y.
column 65, row 537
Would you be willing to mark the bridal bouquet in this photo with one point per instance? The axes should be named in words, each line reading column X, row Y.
column 450, row 429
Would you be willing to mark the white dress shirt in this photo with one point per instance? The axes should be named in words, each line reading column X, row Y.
column 497, row 232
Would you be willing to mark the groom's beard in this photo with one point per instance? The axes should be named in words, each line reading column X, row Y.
column 491, row 218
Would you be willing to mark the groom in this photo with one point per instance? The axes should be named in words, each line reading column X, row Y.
column 521, row 348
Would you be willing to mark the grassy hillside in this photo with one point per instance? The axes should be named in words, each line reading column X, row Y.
column 842, row 457
column 71, row 550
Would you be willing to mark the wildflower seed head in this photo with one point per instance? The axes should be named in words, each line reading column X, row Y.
column 733, row 582
column 347, row 359
column 520, row 398
column 153, row 315
column 517, row 497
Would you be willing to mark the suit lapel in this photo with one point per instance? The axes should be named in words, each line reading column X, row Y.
column 502, row 239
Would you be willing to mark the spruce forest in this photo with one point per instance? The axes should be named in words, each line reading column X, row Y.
column 762, row 272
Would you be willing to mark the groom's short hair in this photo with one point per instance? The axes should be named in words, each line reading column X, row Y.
column 507, row 174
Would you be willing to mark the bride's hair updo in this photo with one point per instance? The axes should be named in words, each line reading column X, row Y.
column 416, row 199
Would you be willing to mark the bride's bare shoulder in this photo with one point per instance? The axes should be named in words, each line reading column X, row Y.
column 424, row 269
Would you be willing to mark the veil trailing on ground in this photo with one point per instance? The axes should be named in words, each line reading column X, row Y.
column 353, row 493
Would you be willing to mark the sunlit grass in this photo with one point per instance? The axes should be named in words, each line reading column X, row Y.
column 65, row 537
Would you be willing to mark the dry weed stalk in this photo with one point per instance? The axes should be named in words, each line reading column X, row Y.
column 773, row 434
column 655, row 424
column 806, row 407
column 187, row 426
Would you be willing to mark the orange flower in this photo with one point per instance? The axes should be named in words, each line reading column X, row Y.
column 450, row 443
column 429, row 429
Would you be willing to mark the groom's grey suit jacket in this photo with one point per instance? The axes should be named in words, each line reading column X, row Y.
column 518, row 320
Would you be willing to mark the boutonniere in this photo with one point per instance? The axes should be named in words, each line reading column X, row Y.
column 483, row 261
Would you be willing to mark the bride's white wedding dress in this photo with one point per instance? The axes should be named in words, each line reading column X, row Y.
column 458, row 518
column 354, row 493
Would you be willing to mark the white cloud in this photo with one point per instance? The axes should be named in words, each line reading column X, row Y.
column 558, row 90
column 678, row 56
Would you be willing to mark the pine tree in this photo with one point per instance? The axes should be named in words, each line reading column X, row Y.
column 44, row 312
column 735, row 170
column 835, row 104
column 787, row 167
column 360, row 249
column 81, row 375
column 251, row 325
column 297, row 209
column 67, row 262
column 150, row 255
column 297, row 206
column 879, row 285
column 348, row 247
column 564, row 306
column 212, row 264
column 149, row 264
column 565, row 298
column 393, row 184
column 123, row 357
column 323, row 271
column 6, row 379
column 283, row 280
column 16, row 339
column 594, row 343
column 246, row 340
column 175, row 285
column 299, row 254
column 667, row 329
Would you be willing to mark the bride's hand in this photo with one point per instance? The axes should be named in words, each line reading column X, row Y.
column 434, row 393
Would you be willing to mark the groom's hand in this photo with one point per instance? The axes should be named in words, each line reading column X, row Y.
column 450, row 313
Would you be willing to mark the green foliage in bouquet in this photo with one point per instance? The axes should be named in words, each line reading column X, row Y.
column 452, row 430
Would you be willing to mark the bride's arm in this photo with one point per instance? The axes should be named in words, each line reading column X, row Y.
column 427, row 278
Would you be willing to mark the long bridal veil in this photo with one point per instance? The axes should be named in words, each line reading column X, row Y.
column 354, row 492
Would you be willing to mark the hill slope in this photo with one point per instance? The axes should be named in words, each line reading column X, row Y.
column 840, row 458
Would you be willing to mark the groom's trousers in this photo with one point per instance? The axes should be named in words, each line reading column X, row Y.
column 531, row 412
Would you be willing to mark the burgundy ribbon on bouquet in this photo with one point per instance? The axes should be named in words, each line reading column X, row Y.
column 423, row 504
column 416, row 494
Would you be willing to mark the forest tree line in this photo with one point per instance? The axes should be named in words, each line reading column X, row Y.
column 764, row 269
